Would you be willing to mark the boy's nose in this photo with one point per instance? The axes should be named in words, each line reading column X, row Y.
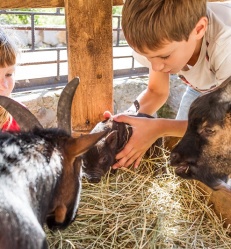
column 157, row 67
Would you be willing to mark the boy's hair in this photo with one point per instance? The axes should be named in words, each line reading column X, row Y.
column 151, row 23
column 8, row 50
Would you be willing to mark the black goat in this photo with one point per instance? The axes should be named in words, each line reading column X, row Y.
column 204, row 152
column 40, row 181
column 98, row 160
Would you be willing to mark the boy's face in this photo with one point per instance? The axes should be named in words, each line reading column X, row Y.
column 7, row 80
column 174, row 56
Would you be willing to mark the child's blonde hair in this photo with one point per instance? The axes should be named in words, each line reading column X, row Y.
column 8, row 50
column 151, row 23
column 8, row 57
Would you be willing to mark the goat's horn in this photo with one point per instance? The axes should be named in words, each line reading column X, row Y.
column 64, row 105
column 25, row 119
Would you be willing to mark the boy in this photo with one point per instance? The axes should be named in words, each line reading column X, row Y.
column 191, row 38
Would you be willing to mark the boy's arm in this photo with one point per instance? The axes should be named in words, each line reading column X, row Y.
column 147, row 131
column 156, row 94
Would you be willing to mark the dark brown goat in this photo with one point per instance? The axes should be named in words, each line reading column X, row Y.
column 204, row 152
column 98, row 160
column 40, row 181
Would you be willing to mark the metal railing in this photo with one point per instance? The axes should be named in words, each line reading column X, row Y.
column 58, row 79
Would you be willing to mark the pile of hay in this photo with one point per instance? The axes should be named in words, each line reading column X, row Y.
column 143, row 208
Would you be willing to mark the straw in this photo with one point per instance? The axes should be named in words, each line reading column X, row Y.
column 147, row 208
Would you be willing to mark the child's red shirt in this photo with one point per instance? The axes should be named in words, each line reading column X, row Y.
column 13, row 126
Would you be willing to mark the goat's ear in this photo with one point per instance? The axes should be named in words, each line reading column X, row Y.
column 112, row 139
column 77, row 146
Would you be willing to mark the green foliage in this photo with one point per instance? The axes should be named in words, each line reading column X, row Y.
column 24, row 18
column 116, row 10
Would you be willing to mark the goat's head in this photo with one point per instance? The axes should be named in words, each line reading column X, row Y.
column 64, row 206
column 64, row 199
column 98, row 160
column 204, row 152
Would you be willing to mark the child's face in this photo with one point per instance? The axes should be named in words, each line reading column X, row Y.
column 173, row 56
column 7, row 80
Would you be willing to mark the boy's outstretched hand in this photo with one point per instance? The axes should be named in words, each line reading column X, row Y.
column 145, row 133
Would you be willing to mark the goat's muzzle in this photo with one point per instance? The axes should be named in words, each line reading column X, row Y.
column 60, row 218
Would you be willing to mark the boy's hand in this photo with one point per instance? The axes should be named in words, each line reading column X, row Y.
column 144, row 135
column 107, row 115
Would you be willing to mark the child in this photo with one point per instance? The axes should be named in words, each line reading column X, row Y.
column 8, row 55
column 191, row 38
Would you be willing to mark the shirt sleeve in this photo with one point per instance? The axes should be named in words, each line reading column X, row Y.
column 11, row 125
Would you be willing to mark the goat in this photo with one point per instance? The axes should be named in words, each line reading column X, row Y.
column 204, row 152
column 98, row 159
column 40, row 181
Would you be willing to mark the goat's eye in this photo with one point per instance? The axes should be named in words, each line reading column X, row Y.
column 209, row 131
column 103, row 159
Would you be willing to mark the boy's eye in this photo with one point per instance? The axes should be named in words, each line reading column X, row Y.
column 165, row 57
column 9, row 74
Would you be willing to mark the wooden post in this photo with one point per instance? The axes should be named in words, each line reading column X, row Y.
column 118, row 2
column 89, row 25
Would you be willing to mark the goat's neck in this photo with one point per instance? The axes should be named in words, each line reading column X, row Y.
column 19, row 224
column 33, row 178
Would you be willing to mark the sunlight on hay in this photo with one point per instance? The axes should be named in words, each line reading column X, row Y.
column 145, row 208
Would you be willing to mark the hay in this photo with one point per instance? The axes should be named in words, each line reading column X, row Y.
column 143, row 209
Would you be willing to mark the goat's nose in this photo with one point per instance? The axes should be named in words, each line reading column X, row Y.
column 174, row 157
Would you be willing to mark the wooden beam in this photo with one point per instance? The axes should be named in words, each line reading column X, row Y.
column 9, row 4
column 89, row 36
column 118, row 2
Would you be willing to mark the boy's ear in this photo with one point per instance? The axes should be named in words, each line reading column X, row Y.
column 201, row 27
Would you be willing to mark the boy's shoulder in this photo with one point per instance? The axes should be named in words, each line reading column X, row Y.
column 219, row 23
column 220, row 11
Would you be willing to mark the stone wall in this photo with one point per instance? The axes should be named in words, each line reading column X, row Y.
column 127, row 89
column 43, row 103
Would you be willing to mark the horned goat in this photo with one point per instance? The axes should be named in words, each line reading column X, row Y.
column 39, row 179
